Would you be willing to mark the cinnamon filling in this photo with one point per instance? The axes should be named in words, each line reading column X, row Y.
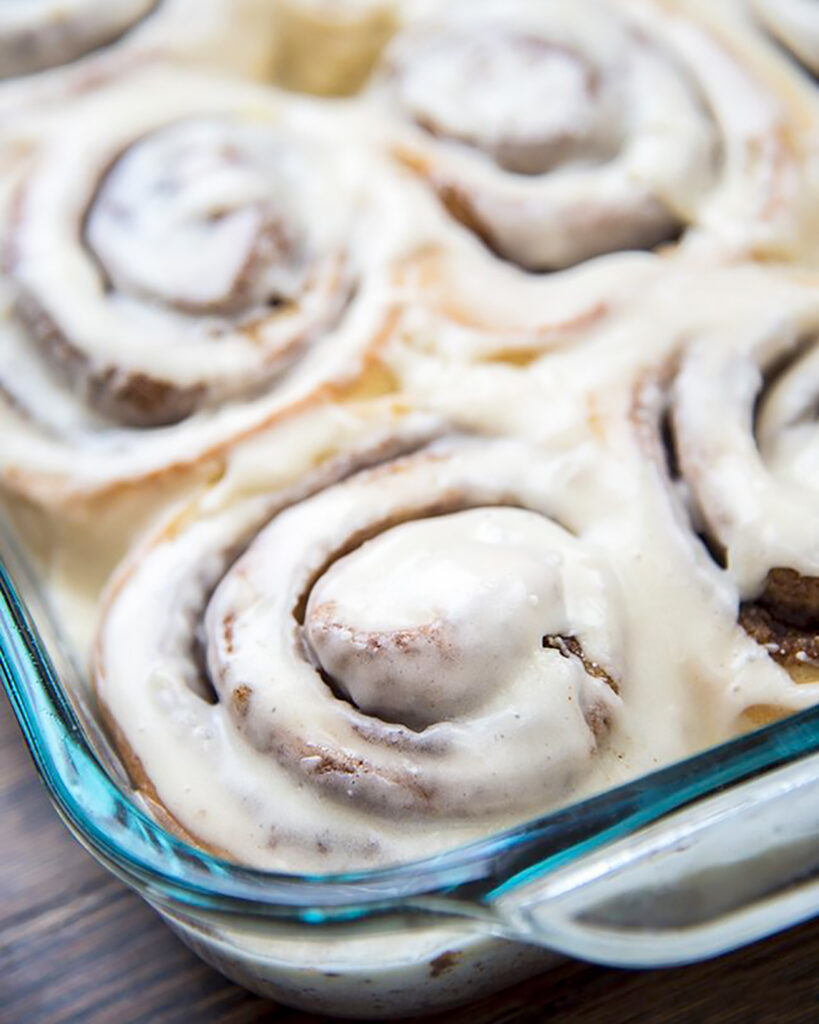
column 788, row 645
column 792, row 598
column 785, row 618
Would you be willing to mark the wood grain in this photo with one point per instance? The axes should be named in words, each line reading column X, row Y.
column 75, row 945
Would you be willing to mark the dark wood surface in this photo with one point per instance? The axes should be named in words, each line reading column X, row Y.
column 75, row 945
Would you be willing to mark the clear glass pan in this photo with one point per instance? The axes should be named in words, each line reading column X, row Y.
column 691, row 861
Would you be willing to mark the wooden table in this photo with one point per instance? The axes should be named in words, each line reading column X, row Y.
column 76, row 945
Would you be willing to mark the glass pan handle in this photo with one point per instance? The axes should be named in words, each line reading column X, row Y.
column 730, row 870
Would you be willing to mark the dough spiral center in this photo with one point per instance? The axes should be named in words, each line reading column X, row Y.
column 527, row 102
column 203, row 215
column 416, row 624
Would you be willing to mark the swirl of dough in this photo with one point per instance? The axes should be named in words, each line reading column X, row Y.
column 558, row 132
column 421, row 638
column 182, row 261
column 795, row 24
column 211, row 222
column 744, row 423
column 40, row 34
column 51, row 50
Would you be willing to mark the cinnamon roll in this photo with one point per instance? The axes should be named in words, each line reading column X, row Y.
column 184, row 262
column 573, row 389
column 640, row 124
column 53, row 48
column 46, row 34
column 795, row 24
column 444, row 617
column 435, row 639
column 464, row 606
column 743, row 425
column 449, row 516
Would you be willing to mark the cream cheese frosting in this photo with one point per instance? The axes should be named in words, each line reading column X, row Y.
column 152, row 319
column 459, row 543
column 795, row 23
column 175, row 278
column 643, row 122
column 53, row 50
column 367, row 653
column 39, row 34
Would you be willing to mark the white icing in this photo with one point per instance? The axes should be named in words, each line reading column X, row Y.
column 189, row 211
column 526, row 696
column 786, row 425
column 420, row 622
column 470, row 86
column 547, row 621
column 78, row 45
column 39, row 34
column 796, row 24
column 304, row 216
column 592, row 541
column 754, row 472
column 64, row 277
column 677, row 130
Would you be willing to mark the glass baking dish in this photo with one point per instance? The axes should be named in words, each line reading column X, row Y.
column 686, row 863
